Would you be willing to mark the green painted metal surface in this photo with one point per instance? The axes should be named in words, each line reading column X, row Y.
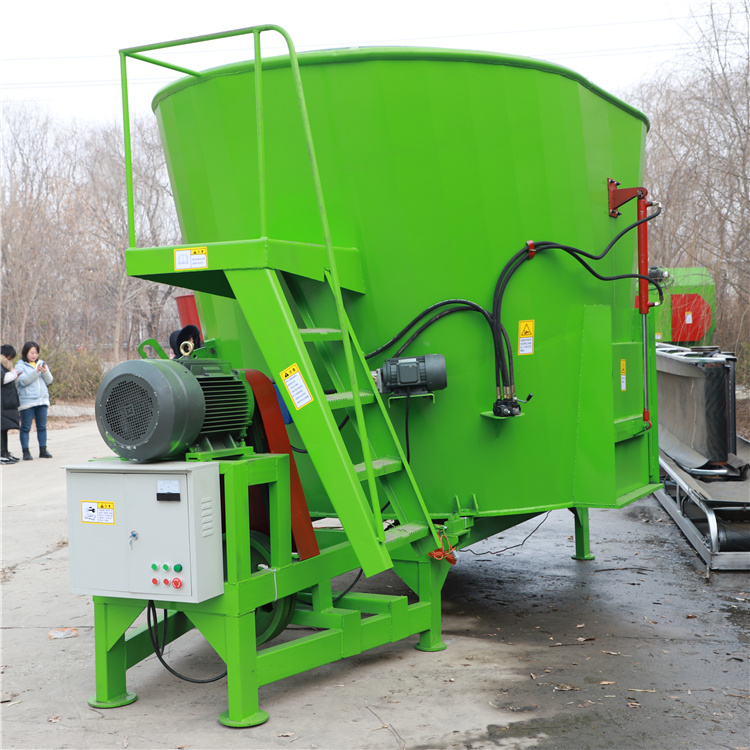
column 436, row 166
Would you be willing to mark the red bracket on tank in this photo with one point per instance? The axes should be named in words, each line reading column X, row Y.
column 619, row 196
column 531, row 248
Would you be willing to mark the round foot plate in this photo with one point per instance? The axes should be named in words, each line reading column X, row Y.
column 260, row 717
column 437, row 647
column 122, row 700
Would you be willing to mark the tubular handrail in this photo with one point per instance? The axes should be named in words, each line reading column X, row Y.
column 331, row 272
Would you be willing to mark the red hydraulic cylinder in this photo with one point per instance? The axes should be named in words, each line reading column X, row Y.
column 643, row 303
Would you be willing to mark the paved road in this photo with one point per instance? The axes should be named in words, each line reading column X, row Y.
column 636, row 649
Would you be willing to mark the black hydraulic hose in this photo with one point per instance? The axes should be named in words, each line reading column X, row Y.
column 542, row 245
column 508, row 376
column 523, row 255
column 426, row 325
column 464, row 302
column 621, row 276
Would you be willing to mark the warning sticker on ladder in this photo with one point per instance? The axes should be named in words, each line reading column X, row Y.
column 296, row 386
column 525, row 336
column 623, row 375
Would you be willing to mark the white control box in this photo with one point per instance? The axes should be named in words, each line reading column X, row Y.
column 145, row 531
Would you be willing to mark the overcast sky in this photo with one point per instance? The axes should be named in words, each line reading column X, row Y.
column 63, row 55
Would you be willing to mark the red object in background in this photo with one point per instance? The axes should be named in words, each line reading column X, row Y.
column 691, row 318
column 188, row 310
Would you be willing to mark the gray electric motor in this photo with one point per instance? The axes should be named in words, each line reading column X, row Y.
column 152, row 409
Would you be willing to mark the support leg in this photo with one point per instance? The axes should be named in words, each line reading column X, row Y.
column 110, row 625
column 583, row 543
column 242, row 673
column 432, row 575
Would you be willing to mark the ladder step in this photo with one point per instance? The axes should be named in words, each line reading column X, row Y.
column 404, row 534
column 321, row 334
column 346, row 398
column 380, row 466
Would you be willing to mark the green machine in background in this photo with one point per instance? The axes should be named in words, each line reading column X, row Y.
column 687, row 316
column 339, row 210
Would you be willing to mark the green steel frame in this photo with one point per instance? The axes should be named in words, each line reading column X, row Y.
column 353, row 622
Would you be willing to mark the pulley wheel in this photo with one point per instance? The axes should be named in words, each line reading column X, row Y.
column 272, row 618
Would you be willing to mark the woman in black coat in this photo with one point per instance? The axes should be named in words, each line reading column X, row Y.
column 9, row 401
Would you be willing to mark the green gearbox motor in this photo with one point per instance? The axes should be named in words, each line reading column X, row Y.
column 153, row 409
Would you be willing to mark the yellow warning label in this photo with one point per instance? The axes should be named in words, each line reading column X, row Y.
column 623, row 375
column 190, row 258
column 525, row 336
column 93, row 511
column 296, row 386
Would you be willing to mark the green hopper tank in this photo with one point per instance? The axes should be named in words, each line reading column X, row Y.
column 437, row 166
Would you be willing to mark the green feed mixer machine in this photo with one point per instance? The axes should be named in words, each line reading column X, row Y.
column 391, row 250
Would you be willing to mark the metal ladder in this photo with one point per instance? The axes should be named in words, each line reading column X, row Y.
column 258, row 291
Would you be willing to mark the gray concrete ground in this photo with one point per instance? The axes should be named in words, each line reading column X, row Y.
column 636, row 649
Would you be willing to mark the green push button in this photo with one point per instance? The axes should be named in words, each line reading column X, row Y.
column 177, row 568
column 154, row 566
column 165, row 566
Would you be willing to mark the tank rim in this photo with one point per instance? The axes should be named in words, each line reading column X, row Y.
column 417, row 54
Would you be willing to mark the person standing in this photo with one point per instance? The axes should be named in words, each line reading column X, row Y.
column 9, row 401
column 33, row 397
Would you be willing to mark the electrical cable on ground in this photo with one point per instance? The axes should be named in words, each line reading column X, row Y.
column 152, row 625
column 350, row 586
column 513, row 546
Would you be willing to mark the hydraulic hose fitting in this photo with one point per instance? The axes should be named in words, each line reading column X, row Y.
column 506, row 407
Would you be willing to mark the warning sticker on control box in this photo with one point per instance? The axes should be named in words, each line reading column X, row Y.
column 97, row 512
column 296, row 386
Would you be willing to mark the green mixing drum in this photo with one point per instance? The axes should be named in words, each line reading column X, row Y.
column 437, row 167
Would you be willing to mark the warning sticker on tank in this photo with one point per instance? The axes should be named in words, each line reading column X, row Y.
column 97, row 512
column 296, row 386
column 190, row 258
column 623, row 375
column 525, row 336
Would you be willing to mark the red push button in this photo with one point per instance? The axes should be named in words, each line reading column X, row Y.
column 155, row 581
column 177, row 583
column 166, row 581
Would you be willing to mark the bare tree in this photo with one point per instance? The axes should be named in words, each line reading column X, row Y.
column 65, row 233
column 698, row 161
column 37, row 191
